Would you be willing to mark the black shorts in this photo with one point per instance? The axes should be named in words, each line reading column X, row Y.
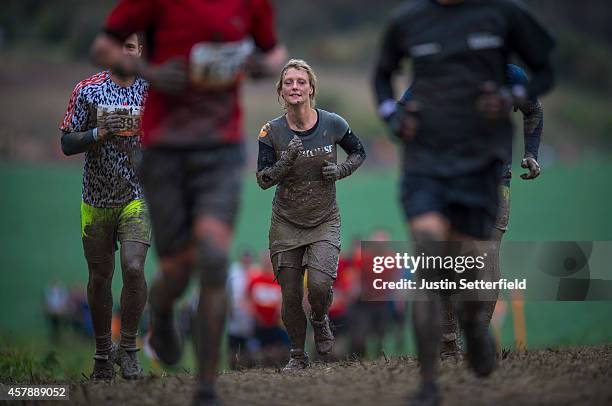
column 468, row 201
column 181, row 185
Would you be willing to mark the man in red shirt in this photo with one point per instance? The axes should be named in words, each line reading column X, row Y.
column 265, row 298
column 198, row 53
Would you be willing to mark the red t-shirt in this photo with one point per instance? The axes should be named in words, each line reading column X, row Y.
column 197, row 117
column 265, row 297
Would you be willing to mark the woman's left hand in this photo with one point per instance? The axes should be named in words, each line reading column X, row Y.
column 330, row 171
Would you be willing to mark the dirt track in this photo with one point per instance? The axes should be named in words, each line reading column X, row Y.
column 578, row 376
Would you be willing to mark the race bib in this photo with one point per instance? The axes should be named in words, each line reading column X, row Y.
column 131, row 117
column 214, row 65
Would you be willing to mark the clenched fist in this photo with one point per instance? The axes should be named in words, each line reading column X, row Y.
column 330, row 171
column 294, row 148
column 404, row 122
column 109, row 126
column 532, row 165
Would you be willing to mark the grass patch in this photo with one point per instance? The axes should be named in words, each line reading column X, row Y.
column 20, row 365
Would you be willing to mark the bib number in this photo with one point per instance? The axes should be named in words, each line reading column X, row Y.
column 131, row 118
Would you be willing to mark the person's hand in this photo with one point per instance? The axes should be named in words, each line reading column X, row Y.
column 109, row 126
column 532, row 165
column 261, row 65
column 294, row 148
column 404, row 122
column 169, row 77
column 493, row 102
column 255, row 68
column 330, row 171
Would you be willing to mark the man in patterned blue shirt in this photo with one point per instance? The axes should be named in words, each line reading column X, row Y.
column 103, row 121
column 533, row 121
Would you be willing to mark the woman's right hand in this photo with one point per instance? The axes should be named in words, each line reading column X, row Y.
column 294, row 148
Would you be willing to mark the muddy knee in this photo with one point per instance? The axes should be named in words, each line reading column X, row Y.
column 292, row 312
column 430, row 226
column 292, row 286
column 320, row 293
column 133, row 272
column 212, row 262
column 101, row 272
column 133, row 255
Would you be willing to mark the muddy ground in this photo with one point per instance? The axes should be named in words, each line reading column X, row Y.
column 576, row 376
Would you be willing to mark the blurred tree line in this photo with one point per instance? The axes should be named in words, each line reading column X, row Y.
column 325, row 31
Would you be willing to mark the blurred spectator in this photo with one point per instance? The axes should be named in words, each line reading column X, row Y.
column 372, row 319
column 345, row 295
column 241, row 324
column 265, row 298
column 395, row 307
column 56, row 306
column 78, row 313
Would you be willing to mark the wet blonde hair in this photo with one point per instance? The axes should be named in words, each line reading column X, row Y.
column 298, row 64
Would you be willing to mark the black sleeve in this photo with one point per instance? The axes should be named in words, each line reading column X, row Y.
column 543, row 79
column 266, row 156
column 352, row 145
column 271, row 171
column 77, row 142
column 533, row 123
column 387, row 63
column 534, row 44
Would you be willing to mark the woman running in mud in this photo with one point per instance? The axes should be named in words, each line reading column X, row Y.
column 297, row 152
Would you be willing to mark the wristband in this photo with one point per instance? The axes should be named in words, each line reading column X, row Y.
column 94, row 133
column 519, row 92
column 387, row 108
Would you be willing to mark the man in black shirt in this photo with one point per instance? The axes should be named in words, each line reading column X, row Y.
column 453, row 150
column 533, row 119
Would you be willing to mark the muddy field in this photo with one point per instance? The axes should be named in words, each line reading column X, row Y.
column 577, row 376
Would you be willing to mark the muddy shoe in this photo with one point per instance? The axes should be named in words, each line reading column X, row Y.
column 450, row 350
column 427, row 395
column 129, row 364
column 205, row 396
column 165, row 338
column 298, row 360
column 324, row 338
column 481, row 353
column 103, row 370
